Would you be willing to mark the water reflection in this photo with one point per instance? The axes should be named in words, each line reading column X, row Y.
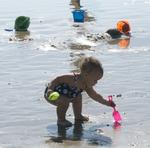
column 117, row 125
column 21, row 36
column 91, row 136
column 122, row 43
column 78, row 46
column 76, row 134
column 63, row 133
column 78, row 131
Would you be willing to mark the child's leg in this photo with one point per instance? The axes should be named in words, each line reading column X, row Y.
column 77, row 109
column 62, row 109
column 62, row 106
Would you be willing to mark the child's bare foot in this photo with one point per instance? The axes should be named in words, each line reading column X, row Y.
column 65, row 123
column 82, row 119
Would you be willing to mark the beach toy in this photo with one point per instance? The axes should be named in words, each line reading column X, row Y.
column 116, row 114
column 123, row 26
column 78, row 15
column 22, row 23
column 116, row 125
column 53, row 96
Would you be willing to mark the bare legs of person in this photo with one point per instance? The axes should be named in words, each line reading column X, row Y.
column 62, row 107
column 77, row 109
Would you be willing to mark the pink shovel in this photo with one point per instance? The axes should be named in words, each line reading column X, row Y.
column 116, row 114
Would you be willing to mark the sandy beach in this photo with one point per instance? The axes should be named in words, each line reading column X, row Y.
column 54, row 46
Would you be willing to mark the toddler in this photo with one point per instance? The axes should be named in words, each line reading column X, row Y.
column 70, row 88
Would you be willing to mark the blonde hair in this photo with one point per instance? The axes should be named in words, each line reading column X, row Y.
column 89, row 64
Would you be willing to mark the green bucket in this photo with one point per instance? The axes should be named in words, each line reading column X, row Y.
column 22, row 23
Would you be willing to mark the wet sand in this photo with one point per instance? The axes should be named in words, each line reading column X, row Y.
column 54, row 46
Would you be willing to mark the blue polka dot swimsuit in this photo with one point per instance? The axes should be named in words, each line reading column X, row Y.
column 71, row 92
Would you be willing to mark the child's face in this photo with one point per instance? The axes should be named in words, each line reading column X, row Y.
column 93, row 77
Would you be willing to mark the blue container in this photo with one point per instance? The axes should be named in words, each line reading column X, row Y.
column 78, row 15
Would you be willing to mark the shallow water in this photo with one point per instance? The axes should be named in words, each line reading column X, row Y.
column 26, row 120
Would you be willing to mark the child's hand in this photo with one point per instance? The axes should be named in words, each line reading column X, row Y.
column 112, row 104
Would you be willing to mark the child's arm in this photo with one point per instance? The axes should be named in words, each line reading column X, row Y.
column 97, row 97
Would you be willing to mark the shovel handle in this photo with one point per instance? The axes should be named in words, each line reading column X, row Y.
column 110, row 98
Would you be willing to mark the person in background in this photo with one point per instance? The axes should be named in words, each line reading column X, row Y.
column 122, row 29
column 76, row 4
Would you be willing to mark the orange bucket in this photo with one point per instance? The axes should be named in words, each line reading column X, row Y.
column 123, row 26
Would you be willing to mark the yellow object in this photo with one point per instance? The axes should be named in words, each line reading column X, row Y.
column 53, row 96
column 123, row 26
